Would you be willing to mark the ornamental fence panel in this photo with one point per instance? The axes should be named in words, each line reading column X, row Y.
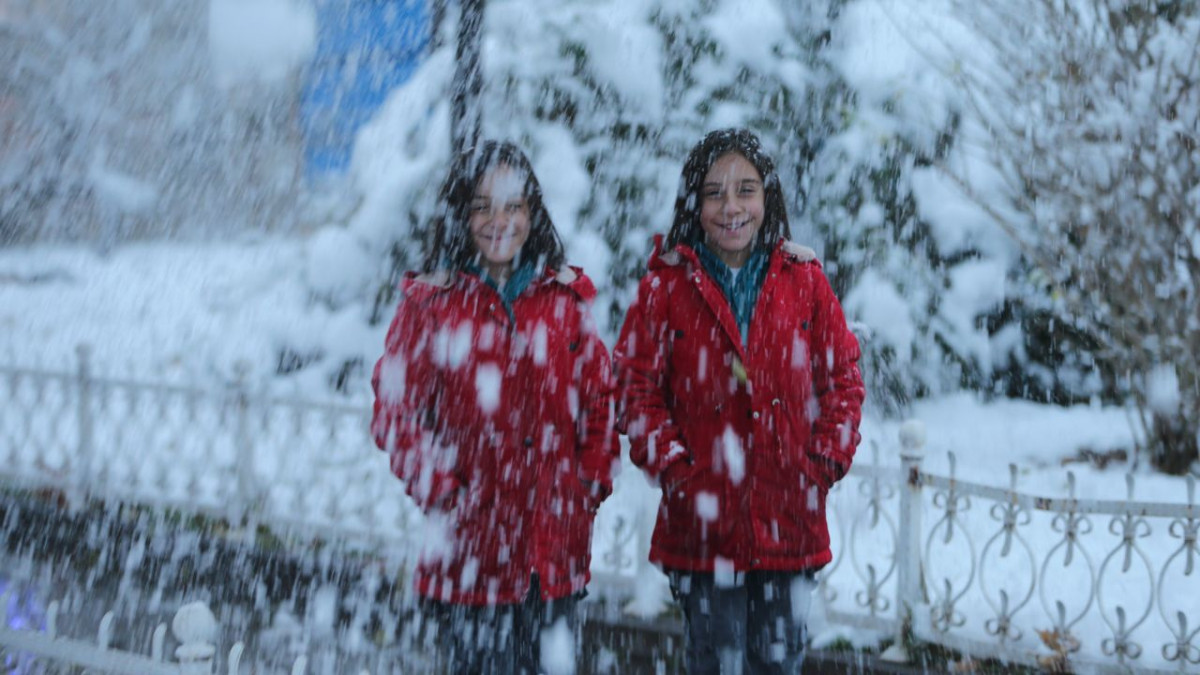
column 991, row 571
column 308, row 470
column 1055, row 583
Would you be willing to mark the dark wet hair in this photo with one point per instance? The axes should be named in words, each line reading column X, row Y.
column 685, row 229
column 450, row 237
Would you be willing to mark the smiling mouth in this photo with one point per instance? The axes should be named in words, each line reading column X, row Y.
column 734, row 227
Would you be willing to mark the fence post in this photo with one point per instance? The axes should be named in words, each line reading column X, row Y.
column 908, row 548
column 84, row 452
column 196, row 629
column 243, row 447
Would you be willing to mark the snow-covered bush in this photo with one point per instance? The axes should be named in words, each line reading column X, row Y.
column 1094, row 124
column 920, row 267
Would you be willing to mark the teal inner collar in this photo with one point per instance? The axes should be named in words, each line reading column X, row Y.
column 740, row 291
column 516, row 284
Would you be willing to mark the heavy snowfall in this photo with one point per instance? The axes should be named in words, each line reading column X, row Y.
column 224, row 193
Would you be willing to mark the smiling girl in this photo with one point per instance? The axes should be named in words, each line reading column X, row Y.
column 740, row 394
column 494, row 400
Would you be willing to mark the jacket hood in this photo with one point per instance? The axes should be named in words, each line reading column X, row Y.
column 573, row 278
column 417, row 285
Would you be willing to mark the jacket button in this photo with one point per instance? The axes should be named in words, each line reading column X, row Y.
column 528, row 442
column 774, row 401
column 755, row 415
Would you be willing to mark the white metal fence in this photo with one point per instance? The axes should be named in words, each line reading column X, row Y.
column 1109, row 585
column 194, row 628
column 308, row 470
column 1054, row 583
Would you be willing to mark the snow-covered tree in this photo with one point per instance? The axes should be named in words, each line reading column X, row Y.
column 608, row 98
column 1093, row 123
column 919, row 271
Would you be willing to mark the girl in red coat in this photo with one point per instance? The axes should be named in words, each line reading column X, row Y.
column 741, row 395
column 494, row 400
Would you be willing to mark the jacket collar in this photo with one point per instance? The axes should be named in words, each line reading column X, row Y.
column 790, row 251
column 684, row 257
column 417, row 284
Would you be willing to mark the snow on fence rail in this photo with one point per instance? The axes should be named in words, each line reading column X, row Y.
column 1106, row 585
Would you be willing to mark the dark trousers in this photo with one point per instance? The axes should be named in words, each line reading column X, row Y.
column 502, row 639
column 757, row 624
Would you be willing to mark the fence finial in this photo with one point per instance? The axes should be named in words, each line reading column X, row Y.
column 912, row 436
column 104, row 637
column 157, row 641
column 51, row 620
column 235, row 657
column 196, row 629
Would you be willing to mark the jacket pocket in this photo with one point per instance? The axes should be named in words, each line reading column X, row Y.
column 791, row 455
column 792, row 512
column 812, row 473
column 675, row 473
column 693, row 508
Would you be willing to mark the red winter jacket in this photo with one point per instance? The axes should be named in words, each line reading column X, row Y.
column 745, row 441
column 501, row 429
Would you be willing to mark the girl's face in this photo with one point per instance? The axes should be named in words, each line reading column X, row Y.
column 499, row 217
column 731, row 207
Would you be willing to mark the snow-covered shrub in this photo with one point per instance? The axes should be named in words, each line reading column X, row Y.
column 1094, row 124
column 921, row 267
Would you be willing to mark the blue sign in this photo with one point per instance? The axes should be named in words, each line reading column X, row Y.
column 365, row 48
